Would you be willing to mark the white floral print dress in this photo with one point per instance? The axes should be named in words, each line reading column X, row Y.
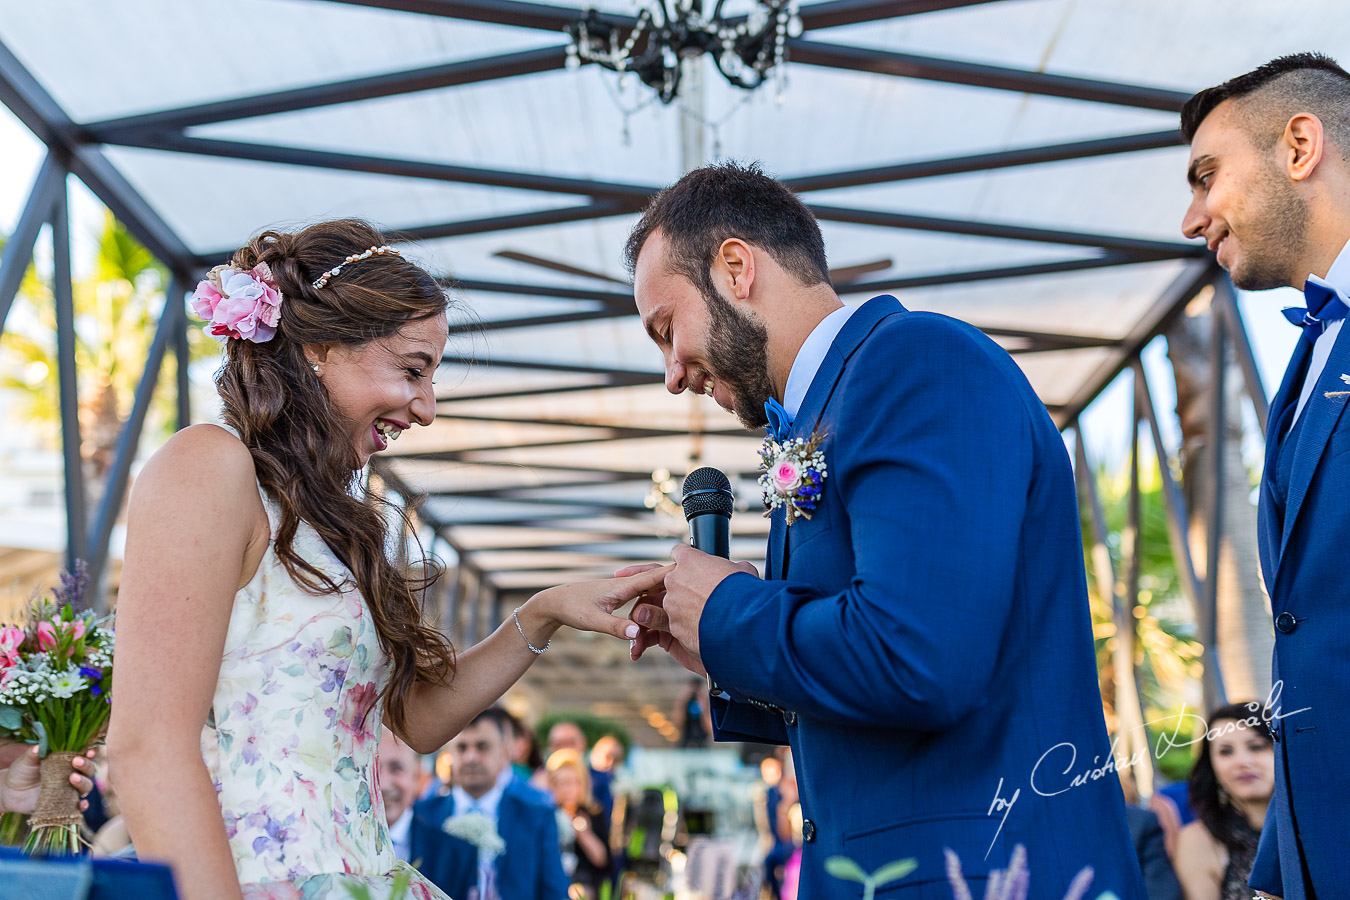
column 290, row 741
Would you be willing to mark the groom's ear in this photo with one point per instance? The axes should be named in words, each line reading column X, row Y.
column 734, row 268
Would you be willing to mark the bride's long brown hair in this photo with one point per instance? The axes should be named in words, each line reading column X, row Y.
column 284, row 416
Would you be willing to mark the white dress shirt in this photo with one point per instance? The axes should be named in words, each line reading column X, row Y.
column 810, row 356
column 1338, row 276
column 487, row 806
column 400, row 835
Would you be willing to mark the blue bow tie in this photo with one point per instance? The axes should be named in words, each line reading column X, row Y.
column 1325, row 305
column 780, row 423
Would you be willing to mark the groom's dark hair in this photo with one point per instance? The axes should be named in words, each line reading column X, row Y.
column 730, row 200
column 1269, row 95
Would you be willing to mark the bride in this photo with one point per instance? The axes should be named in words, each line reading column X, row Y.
column 264, row 636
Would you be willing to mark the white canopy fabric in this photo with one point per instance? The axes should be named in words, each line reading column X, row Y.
column 550, row 431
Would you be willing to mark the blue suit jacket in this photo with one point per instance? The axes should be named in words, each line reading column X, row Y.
column 927, row 631
column 531, row 866
column 1302, row 562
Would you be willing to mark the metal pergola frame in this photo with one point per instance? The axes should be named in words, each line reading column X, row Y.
column 472, row 599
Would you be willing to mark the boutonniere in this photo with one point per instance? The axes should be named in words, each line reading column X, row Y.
column 478, row 830
column 794, row 470
column 1331, row 394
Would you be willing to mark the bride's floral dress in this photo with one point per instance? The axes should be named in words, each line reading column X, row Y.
column 290, row 741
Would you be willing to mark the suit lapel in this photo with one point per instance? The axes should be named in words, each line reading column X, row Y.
column 859, row 325
column 1269, row 523
column 1322, row 415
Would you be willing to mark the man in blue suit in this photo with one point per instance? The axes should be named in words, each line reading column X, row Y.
column 530, row 866
column 922, row 636
column 1270, row 186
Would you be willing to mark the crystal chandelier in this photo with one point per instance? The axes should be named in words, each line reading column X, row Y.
column 745, row 48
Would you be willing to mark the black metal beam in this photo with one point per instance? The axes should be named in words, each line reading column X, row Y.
column 621, row 376
column 951, row 71
column 1155, row 321
column 617, row 299
column 625, row 431
column 48, row 187
column 36, row 109
column 129, row 438
column 624, row 304
column 1226, row 308
column 981, row 162
column 1141, row 248
column 538, row 16
column 532, row 219
column 370, row 87
column 380, row 165
column 77, row 547
column 852, row 12
column 182, row 355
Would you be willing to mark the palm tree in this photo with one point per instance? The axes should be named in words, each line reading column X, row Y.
column 1245, row 637
column 116, row 310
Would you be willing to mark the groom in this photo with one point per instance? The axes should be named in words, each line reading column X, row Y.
column 1270, row 183
column 922, row 637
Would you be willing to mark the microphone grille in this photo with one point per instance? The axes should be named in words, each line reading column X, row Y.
column 707, row 490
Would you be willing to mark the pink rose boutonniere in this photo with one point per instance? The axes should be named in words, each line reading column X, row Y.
column 794, row 471
column 239, row 303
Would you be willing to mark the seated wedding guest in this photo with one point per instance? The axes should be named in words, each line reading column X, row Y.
column 526, row 759
column 586, row 849
column 607, row 755
column 528, row 865
column 434, row 853
column 21, row 778
column 1160, row 879
column 1230, row 788
column 567, row 735
column 1174, row 812
column 693, row 715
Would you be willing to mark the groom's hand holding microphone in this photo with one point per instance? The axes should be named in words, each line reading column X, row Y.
column 670, row 618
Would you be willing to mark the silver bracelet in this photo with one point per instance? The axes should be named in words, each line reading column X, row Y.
column 533, row 649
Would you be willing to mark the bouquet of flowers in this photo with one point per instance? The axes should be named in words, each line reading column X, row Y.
column 55, row 691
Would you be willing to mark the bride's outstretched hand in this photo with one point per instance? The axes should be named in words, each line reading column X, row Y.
column 590, row 605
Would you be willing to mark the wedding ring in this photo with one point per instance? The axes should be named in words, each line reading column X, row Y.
column 642, row 596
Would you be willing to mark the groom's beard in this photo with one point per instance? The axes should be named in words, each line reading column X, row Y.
column 738, row 349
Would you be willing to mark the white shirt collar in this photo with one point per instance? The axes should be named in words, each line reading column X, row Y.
column 810, row 356
column 489, row 802
column 399, row 832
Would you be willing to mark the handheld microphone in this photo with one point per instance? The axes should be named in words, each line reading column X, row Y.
column 707, row 506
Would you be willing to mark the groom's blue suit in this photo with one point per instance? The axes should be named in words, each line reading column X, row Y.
column 926, row 633
column 1303, row 522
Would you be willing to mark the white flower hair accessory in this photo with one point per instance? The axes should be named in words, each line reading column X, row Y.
column 244, row 304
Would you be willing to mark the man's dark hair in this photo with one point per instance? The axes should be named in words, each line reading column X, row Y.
column 505, row 722
column 1275, row 92
column 730, row 200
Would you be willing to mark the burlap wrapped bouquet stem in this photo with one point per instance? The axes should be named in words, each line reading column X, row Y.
column 58, row 802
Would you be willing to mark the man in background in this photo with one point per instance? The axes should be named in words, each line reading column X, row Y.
column 529, row 864
column 436, row 854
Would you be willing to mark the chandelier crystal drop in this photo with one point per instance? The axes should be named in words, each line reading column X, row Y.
column 745, row 48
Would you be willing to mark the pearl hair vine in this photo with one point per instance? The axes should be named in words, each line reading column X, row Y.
column 355, row 257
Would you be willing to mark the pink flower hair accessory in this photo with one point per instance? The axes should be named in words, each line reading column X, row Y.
column 239, row 303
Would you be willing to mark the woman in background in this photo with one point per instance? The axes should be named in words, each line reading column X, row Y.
column 586, row 855
column 1229, row 788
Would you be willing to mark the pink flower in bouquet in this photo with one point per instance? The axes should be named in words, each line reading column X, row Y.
column 786, row 475
column 239, row 304
column 76, row 628
column 46, row 633
column 10, row 639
